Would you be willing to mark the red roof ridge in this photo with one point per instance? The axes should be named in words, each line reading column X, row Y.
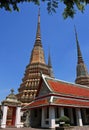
column 62, row 81
column 66, row 88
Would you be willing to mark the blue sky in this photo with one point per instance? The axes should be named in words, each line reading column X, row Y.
column 17, row 37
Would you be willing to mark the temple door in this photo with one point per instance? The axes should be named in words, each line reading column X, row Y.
column 11, row 115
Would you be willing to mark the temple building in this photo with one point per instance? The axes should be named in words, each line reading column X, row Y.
column 37, row 65
column 43, row 98
column 56, row 98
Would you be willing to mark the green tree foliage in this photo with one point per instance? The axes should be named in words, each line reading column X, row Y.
column 64, row 119
column 69, row 9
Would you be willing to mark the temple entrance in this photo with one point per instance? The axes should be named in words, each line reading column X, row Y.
column 11, row 114
column 36, row 117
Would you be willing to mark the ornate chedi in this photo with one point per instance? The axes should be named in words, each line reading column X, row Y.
column 37, row 65
column 82, row 73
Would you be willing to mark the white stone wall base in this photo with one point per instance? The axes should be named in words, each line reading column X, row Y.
column 19, row 125
column 3, row 125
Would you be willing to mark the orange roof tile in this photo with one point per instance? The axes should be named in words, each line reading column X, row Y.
column 68, row 89
column 36, row 103
column 72, row 102
column 60, row 102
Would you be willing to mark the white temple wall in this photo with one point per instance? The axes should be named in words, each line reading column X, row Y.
column 18, row 123
column 4, row 118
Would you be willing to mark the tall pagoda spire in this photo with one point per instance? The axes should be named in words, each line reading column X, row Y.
column 38, row 52
column 82, row 73
column 29, row 86
column 79, row 54
column 49, row 60
column 38, row 33
column 50, row 66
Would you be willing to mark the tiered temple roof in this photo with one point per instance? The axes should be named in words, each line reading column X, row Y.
column 60, row 93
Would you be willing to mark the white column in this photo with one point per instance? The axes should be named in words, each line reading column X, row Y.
column 51, row 117
column 70, row 113
column 43, row 117
column 61, row 111
column 18, row 117
column 78, row 117
column 4, row 118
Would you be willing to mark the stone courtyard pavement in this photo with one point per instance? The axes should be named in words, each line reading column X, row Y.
column 75, row 128
column 23, row 129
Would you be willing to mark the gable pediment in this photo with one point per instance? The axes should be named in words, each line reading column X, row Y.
column 44, row 90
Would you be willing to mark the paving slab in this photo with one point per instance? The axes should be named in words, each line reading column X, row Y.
column 23, row 129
